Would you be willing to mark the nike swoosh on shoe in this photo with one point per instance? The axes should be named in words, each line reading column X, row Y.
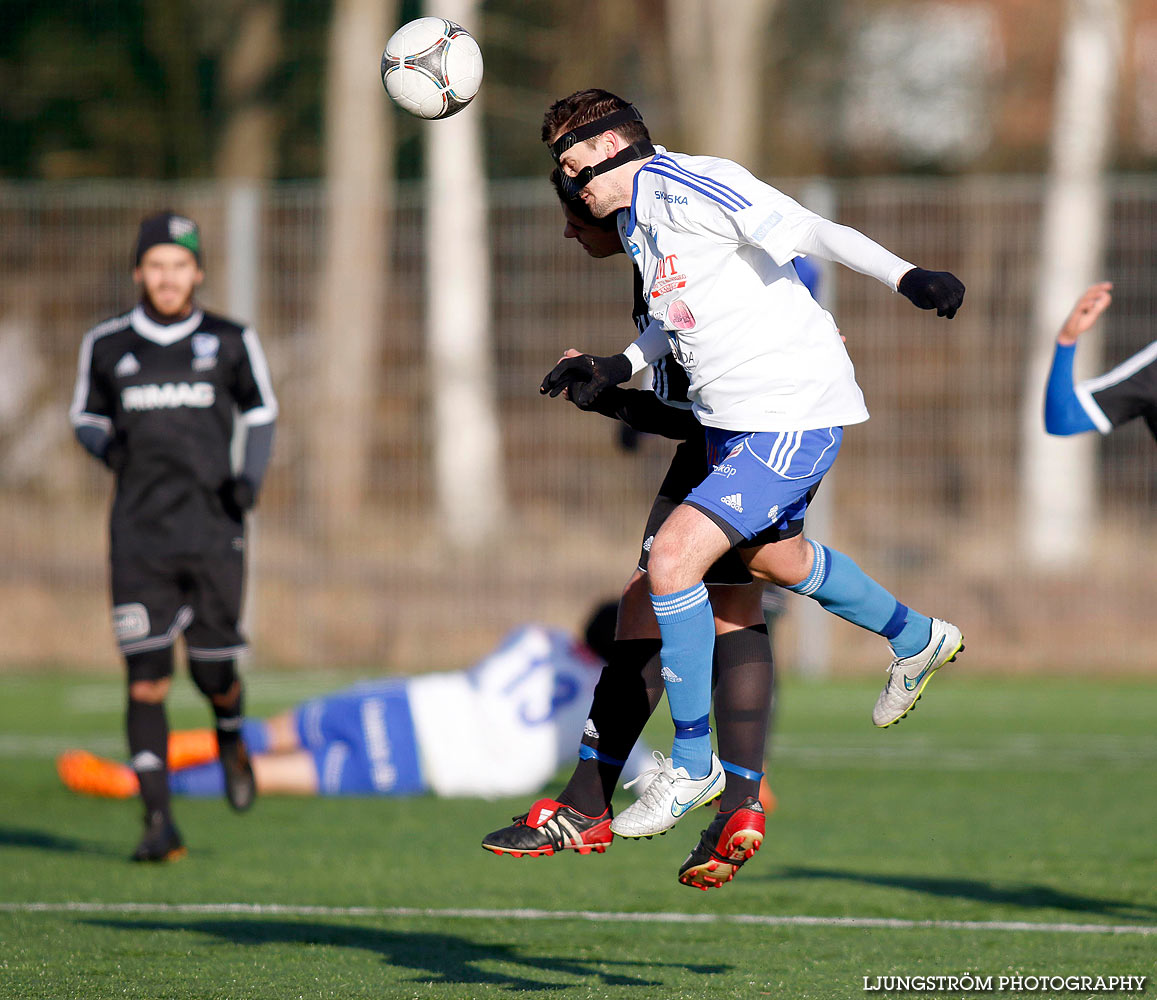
column 911, row 682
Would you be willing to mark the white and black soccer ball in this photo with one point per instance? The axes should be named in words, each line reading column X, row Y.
column 432, row 67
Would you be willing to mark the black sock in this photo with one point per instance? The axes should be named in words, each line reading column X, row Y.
column 216, row 678
column 229, row 718
column 743, row 690
column 148, row 731
column 628, row 691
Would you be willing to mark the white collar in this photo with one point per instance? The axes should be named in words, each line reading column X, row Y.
column 160, row 334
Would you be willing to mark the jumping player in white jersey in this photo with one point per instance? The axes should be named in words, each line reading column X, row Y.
column 631, row 686
column 771, row 382
column 1110, row 400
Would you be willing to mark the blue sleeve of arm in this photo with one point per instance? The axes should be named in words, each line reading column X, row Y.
column 1064, row 414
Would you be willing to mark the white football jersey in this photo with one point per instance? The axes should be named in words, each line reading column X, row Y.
column 715, row 246
column 509, row 723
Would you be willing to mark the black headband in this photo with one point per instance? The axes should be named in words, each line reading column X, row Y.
column 591, row 129
column 572, row 186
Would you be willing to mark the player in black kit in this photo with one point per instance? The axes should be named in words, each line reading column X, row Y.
column 1110, row 400
column 156, row 393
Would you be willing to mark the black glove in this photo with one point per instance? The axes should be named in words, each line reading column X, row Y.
column 937, row 290
column 237, row 496
column 586, row 376
column 116, row 455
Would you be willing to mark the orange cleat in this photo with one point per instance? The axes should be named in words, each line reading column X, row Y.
column 91, row 775
column 190, row 747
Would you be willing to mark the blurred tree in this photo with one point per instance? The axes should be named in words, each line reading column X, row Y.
column 157, row 88
column 351, row 292
column 717, row 64
column 247, row 146
column 1058, row 477
column 467, row 438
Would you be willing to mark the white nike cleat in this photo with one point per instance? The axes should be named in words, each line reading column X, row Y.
column 669, row 795
column 909, row 676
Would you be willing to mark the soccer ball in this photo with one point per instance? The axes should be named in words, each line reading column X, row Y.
column 432, row 67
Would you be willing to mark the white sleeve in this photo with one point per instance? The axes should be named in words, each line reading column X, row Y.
column 738, row 206
column 853, row 249
column 762, row 216
column 649, row 346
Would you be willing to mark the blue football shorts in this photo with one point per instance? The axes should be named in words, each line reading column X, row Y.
column 362, row 740
column 760, row 481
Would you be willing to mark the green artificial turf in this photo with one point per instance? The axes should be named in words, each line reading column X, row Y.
column 998, row 803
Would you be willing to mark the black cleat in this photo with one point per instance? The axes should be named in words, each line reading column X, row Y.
column 161, row 841
column 240, row 786
column 548, row 827
column 731, row 839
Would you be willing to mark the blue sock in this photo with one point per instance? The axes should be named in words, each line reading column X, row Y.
column 255, row 733
column 687, row 626
column 842, row 588
column 202, row 780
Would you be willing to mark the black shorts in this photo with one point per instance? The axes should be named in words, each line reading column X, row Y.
column 156, row 598
column 686, row 471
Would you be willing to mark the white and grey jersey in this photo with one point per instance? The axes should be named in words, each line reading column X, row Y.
column 715, row 248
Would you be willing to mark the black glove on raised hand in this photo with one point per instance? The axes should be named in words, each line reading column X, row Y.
column 585, row 376
column 939, row 290
column 237, row 496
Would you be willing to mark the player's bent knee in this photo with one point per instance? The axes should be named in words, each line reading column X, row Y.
column 213, row 677
column 149, row 692
column 785, row 563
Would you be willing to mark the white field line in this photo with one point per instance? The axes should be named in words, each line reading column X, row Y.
column 854, row 923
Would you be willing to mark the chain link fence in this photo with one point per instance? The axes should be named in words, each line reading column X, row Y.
column 924, row 496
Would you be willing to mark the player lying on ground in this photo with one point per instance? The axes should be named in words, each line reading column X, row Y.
column 773, row 385
column 503, row 727
column 630, row 687
column 1110, row 400
column 155, row 398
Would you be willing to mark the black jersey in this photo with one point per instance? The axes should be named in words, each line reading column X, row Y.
column 668, row 378
column 1128, row 391
column 167, row 395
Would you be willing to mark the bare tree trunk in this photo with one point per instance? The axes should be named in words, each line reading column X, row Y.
column 248, row 149
column 467, row 440
column 352, row 293
column 718, row 53
column 167, row 27
column 1058, row 488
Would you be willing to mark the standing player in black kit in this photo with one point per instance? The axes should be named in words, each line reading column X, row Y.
column 155, row 397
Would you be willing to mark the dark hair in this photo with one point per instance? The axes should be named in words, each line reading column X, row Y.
column 586, row 106
column 600, row 629
column 578, row 206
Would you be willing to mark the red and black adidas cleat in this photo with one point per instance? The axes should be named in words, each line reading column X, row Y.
column 724, row 846
column 548, row 827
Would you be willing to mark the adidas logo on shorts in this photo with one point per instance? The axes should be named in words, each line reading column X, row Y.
column 734, row 501
column 648, row 542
